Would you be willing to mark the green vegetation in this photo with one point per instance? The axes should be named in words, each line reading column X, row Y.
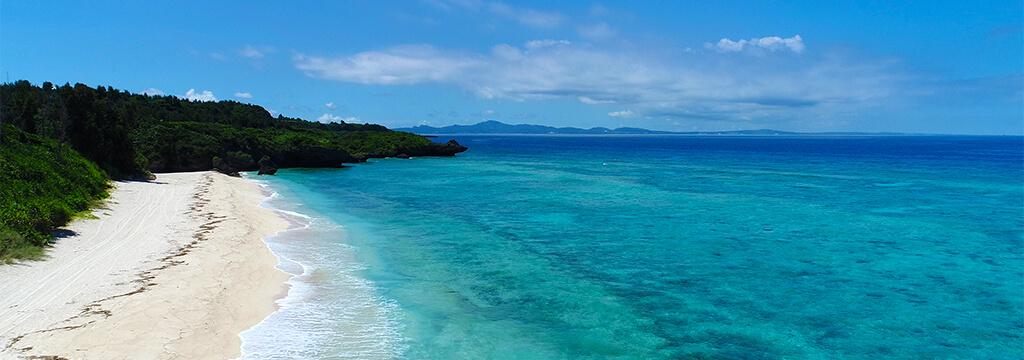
column 364, row 143
column 127, row 134
column 40, row 190
column 61, row 144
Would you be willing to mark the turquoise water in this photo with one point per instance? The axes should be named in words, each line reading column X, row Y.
column 657, row 247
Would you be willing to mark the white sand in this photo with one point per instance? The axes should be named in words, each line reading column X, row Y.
column 175, row 268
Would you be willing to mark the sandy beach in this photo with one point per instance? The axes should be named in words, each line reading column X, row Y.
column 172, row 268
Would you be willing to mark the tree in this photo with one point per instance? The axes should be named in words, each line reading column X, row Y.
column 55, row 122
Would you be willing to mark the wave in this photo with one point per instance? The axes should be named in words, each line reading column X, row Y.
column 329, row 310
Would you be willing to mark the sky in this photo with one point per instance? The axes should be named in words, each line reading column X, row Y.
column 944, row 67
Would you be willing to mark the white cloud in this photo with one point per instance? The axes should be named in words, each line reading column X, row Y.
column 399, row 65
column 685, row 84
column 771, row 43
column 328, row 118
column 331, row 105
column 243, row 95
column 623, row 113
column 273, row 112
column 533, row 45
column 255, row 53
column 153, row 92
column 219, row 56
column 206, row 95
column 587, row 100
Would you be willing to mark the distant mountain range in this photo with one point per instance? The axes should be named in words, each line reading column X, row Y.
column 495, row 127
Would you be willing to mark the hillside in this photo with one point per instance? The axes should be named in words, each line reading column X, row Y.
column 41, row 187
column 128, row 134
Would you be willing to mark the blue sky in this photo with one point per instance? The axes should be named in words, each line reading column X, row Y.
column 904, row 66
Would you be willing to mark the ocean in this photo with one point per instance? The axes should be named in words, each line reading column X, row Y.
column 656, row 247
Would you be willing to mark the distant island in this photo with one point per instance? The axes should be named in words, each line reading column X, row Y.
column 493, row 127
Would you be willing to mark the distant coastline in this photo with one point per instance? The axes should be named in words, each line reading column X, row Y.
column 493, row 127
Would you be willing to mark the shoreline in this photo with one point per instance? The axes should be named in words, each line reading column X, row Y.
column 327, row 291
column 174, row 268
column 282, row 262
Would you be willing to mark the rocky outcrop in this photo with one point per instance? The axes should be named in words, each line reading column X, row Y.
column 451, row 148
column 447, row 149
column 223, row 167
column 240, row 161
column 267, row 166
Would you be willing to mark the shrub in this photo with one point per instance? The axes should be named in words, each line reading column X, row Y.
column 39, row 192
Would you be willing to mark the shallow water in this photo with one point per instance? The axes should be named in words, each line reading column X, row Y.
column 657, row 247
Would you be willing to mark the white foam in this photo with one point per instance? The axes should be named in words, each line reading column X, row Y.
column 304, row 221
column 329, row 311
column 295, row 214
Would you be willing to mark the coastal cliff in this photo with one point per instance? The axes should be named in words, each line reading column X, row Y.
column 310, row 157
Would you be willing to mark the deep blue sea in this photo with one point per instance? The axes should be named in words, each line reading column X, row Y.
column 651, row 247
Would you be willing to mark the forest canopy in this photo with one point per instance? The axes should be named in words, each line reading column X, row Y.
column 128, row 134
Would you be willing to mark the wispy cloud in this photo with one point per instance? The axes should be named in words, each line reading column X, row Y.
column 153, row 92
column 243, row 95
column 771, row 43
column 206, row 95
column 398, row 65
column 623, row 113
column 486, row 113
column 599, row 10
column 596, row 32
column 540, row 44
column 688, row 84
column 252, row 52
column 331, row 105
column 589, row 101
